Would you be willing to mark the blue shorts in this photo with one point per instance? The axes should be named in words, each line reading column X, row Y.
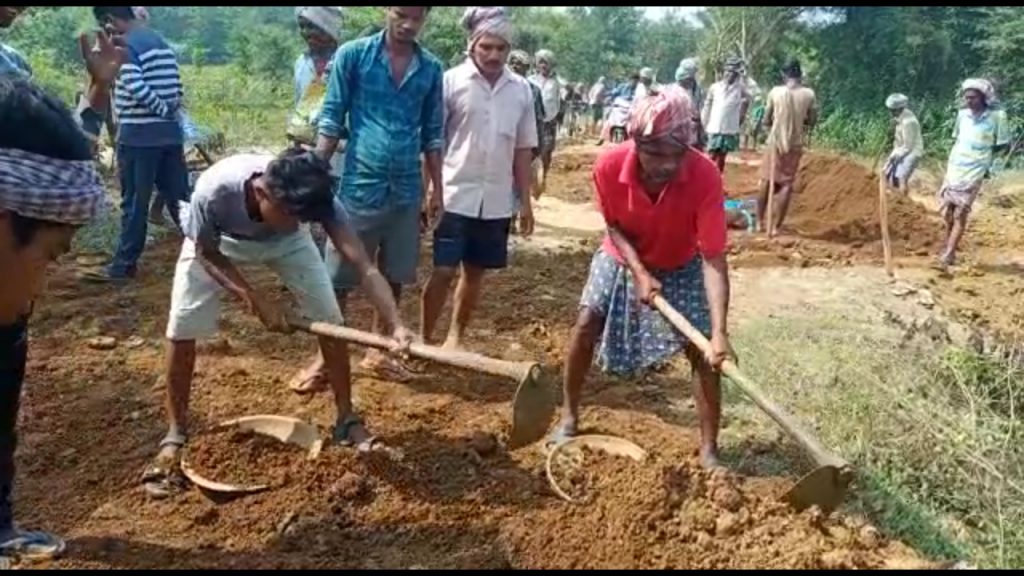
column 391, row 238
column 475, row 242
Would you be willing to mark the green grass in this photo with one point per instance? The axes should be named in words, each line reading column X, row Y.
column 934, row 436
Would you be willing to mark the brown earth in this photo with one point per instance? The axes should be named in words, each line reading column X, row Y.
column 448, row 497
column 244, row 458
column 670, row 513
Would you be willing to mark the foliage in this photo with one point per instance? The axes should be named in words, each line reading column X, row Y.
column 852, row 56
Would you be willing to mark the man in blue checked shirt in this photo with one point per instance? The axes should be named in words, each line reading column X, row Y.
column 391, row 91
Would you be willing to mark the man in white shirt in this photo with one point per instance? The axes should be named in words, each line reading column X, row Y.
column 551, row 91
column 908, row 147
column 645, row 86
column 725, row 107
column 490, row 131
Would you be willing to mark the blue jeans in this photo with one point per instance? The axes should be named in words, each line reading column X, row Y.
column 139, row 170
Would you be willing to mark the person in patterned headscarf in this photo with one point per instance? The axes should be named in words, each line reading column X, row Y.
column 662, row 204
column 49, row 188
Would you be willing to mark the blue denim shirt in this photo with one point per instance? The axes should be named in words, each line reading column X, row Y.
column 390, row 126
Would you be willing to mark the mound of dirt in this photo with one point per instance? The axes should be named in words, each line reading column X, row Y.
column 837, row 201
column 244, row 458
column 570, row 178
column 660, row 515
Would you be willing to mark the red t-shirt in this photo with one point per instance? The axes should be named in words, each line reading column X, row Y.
column 667, row 232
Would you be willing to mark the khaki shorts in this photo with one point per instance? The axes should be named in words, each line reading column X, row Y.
column 195, row 298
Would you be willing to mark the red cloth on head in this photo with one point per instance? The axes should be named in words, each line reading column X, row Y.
column 667, row 113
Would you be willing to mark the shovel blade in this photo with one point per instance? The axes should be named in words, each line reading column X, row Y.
column 532, row 410
column 824, row 487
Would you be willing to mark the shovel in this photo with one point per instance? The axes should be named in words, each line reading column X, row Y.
column 825, row 487
column 532, row 407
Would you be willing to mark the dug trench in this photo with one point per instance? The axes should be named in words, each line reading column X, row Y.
column 92, row 418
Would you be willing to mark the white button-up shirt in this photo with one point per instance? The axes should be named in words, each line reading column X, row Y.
column 722, row 105
column 551, row 95
column 484, row 125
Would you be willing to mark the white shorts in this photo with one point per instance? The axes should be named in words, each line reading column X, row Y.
column 195, row 299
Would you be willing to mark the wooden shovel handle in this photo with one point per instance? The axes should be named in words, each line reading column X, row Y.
column 821, row 456
column 518, row 371
column 883, row 217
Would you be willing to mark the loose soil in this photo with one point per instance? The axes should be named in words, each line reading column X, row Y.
column 669, row 513
column 244, row 458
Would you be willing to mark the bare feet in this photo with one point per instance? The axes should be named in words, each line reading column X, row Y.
column 453, row 343
column 709, row 459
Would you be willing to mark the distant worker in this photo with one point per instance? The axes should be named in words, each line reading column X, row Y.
column 595, row 101
column 686, row 77
column 551, row 90
column 320, row 27
column 908, row 147
column 519, row 62
column 723, row 112
column 645, row 85
column 981, row 131
column 789, row 111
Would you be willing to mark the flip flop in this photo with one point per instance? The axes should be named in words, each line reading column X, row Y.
column 309, row 382
column 388, row 369
column 163, row 481
column 342, row 435
column 163, row 477
column 31, row 546
column 564, row 432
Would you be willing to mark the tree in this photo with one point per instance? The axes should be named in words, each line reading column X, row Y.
column 752, row 33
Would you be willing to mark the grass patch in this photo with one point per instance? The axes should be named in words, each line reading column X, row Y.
column 933, row 435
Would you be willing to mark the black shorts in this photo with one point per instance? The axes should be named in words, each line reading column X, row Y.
column 476, row 242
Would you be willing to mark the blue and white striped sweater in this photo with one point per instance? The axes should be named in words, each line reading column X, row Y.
column 148, row 92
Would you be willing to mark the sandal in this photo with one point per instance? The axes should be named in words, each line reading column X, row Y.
column 163, row 477
column 309, row 382
column 343, row 430
column 32, row 546
column 562, row 434
column 387, row 368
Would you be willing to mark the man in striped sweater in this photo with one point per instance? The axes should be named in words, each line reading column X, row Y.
column 150, row 143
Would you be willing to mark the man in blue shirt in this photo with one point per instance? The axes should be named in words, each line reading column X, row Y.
column 390, row 89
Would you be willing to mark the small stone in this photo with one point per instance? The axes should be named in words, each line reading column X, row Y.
column 135, row 342
column 926, row 299
column 726, row 524
column 727, row 498
column 286, row 522
column 102, row 343
column 869, row 537
column 349, row 487
column 68, row 453
column 483, row 443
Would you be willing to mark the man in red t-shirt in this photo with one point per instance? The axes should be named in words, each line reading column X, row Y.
column 663, row 206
